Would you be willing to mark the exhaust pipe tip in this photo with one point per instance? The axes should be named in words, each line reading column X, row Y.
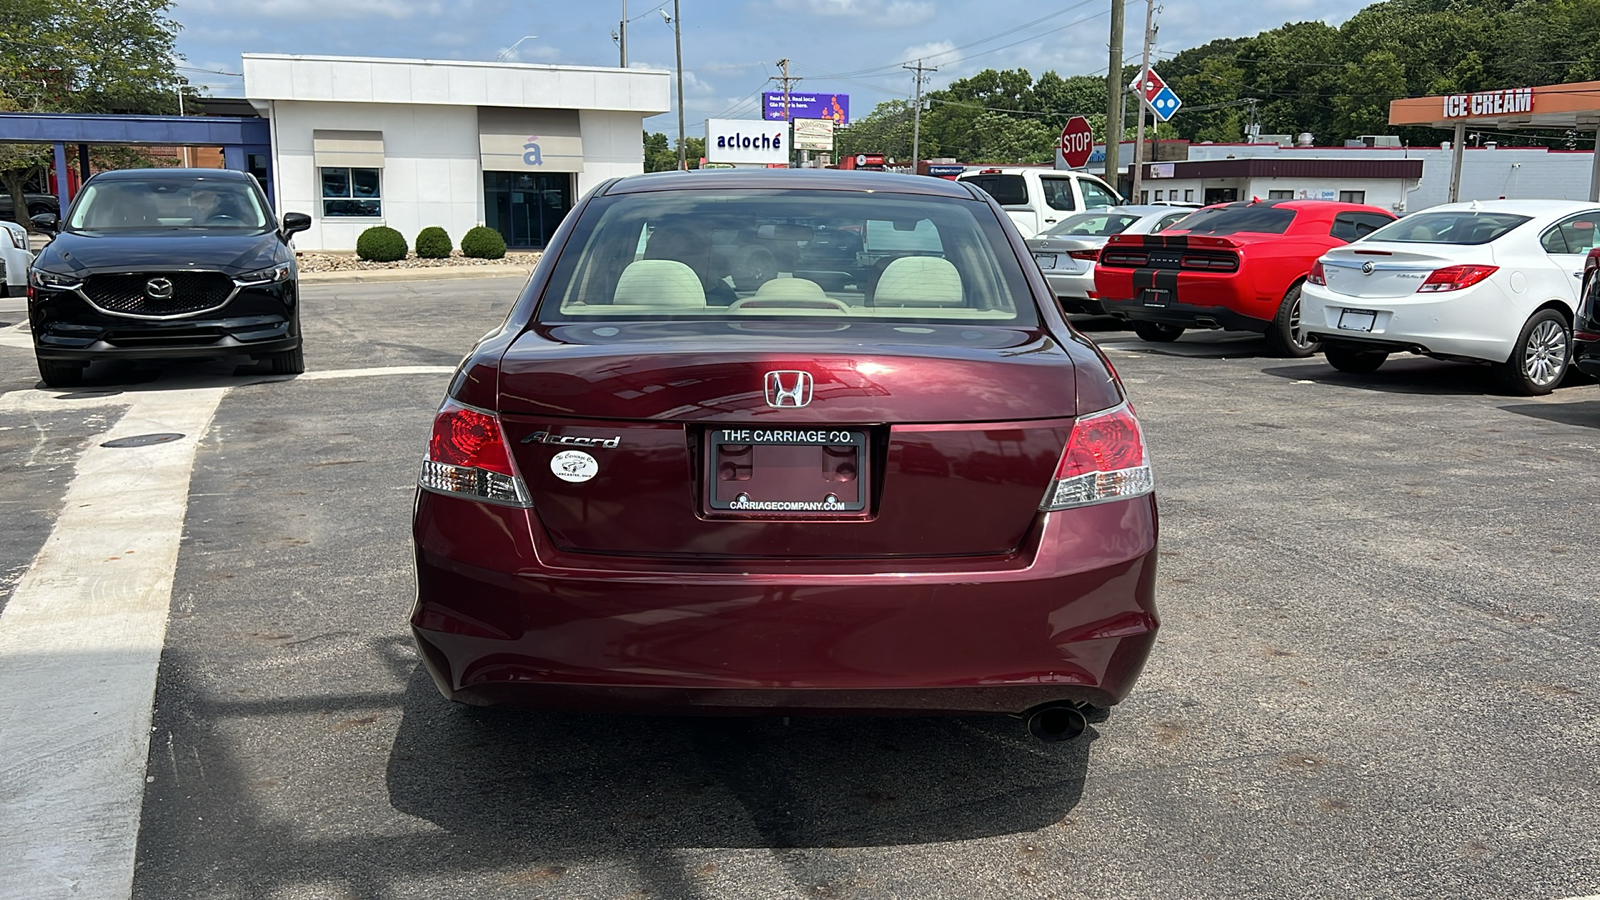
column 1057, row 722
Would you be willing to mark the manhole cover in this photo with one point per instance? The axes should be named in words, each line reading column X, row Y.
column 142, row 440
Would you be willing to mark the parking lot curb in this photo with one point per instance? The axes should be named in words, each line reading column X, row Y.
column 437, row 273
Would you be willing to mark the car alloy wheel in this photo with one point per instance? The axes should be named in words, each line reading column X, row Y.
column 1545, row 358
column 1285, row 336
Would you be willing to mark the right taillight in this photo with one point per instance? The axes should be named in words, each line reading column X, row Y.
column 1455, row 278
column 468, row 457
column 1318, row 274
column 1105, row 460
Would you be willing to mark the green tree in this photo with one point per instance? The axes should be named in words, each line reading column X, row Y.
column 82, row 56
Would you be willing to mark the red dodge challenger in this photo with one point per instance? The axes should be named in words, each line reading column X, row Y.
column 1236, row 266
column 711, row 463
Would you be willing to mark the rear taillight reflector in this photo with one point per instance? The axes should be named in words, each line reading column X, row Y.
column 1105, row 460
column 1455, row 278
column 1318, row 274
column 467, row 456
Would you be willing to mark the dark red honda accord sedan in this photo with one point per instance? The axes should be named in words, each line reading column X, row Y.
column 786, row 442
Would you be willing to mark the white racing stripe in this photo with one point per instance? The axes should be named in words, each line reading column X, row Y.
column 80, row 642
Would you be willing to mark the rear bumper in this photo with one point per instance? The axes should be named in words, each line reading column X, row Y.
column 1478, row 323
column 503, row 617
column 1072, row 292
column 1185, row 315
column 1586, row 356
column 1226, row 300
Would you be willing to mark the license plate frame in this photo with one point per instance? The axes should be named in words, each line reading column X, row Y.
column 1159, row 298
column 1363, row 320
column 1047, row 261
column 788, row 471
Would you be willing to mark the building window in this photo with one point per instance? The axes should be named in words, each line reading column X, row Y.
column 1188, row 195
column 1144, row 197
column 1280, row 195
column 1352, row 196
column 1158, row 195
column 351, row 192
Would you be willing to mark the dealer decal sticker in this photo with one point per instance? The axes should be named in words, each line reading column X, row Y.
column 574, row 466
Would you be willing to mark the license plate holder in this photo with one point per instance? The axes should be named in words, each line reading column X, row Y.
column 1046, row 260
column 793, row 471
column 1157, row 297
column 1357, row 319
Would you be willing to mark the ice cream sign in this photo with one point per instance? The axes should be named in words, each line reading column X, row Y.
column 1514, row 101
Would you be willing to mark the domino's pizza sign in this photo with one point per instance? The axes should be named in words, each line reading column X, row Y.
column 1165, row 104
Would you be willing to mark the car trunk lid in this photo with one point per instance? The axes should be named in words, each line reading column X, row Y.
column 1387, row 270
column 935, row 441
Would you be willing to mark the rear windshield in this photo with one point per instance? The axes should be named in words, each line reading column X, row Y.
column 1007, row 190
column 1093, row 225
column 159, row 202
column 811, row 254
column 1234, row 219
column 1458, row 227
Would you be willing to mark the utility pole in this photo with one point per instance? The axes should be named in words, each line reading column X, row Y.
column 916, row 114
column 783, row 65
column 622, row 34
column 677, row 38
column 1114, row 97
column 1138, row 102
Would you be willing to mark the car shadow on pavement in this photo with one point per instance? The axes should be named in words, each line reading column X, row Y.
column 533, row 781
column 1399, row 375
column 1584, row 412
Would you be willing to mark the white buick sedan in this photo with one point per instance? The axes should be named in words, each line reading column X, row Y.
column 1492, row 282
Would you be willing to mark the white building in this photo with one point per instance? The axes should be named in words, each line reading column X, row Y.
column 410, row 143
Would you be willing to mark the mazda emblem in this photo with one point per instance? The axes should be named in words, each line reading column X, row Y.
column 1367, row 268
column 788, row 389
column 158, row 289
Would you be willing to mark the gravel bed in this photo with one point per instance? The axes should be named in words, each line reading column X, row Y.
column 349, row 262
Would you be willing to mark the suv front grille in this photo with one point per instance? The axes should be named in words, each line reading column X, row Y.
column 129, row 295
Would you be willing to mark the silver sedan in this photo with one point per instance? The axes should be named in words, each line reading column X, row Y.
column 1067, row 252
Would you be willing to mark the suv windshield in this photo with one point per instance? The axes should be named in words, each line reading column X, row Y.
column 1234, row 219
column 167, row 202
column 1097, row 224
column 813, row 254
column 1461, row 227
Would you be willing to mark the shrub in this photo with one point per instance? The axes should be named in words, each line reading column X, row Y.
column 483, row 243
column 381, row 244
column 433, row 242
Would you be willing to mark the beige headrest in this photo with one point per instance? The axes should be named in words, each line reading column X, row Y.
column 791, row 289
column 659, row 282
column 919, row 281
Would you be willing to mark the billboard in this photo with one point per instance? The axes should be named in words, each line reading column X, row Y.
column 808, row 106
column 746, row 141
column 813, row 134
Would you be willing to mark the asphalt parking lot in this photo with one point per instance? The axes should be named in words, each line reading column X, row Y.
column 1376, row 675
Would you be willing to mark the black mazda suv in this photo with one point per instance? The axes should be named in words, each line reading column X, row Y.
column 165, row 264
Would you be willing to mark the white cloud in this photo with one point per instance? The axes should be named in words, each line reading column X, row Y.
column 321, row 9
column 885, row 13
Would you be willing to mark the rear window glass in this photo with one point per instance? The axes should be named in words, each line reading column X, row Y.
column 1092, row 225
column 1007, row 190
column 810, row 254
column 1234, row 219
column 1458, row 227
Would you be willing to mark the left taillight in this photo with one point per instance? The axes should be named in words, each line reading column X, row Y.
column 1105, row 460
column 468, row 457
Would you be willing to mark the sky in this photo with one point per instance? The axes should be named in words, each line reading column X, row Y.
column 730, row 47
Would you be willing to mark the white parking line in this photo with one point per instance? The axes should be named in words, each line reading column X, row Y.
column 80, row 642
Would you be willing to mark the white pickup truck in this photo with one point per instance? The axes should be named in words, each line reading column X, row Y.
column 1037, row 198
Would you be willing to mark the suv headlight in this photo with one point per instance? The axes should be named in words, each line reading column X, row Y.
column 50, row 280
column 265, row 276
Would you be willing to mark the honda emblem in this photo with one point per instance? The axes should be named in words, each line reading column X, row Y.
column 788, row 389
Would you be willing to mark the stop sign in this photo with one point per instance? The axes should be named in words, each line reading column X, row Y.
column 1077, row 141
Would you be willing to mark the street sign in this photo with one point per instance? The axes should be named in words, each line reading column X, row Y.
column 1148, row 86
column 1077, row 142
column 1165, row 103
